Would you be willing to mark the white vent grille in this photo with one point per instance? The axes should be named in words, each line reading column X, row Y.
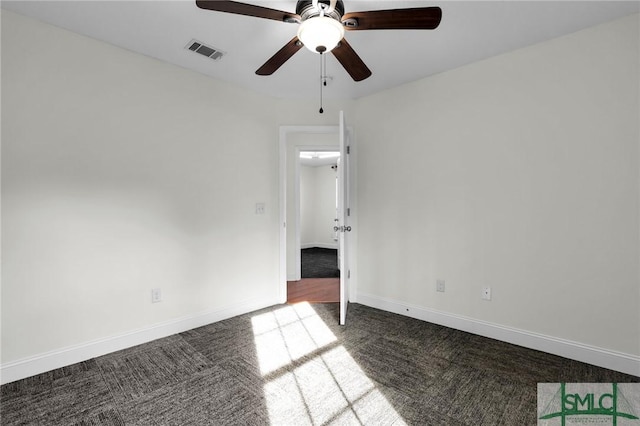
column 204, row 50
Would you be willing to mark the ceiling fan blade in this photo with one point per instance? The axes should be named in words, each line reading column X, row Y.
column 281, row 56
column 247, row 10
column 418, row 18
column 350, row 60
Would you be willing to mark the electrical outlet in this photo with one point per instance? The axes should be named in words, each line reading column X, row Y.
column 440, row 285
column 260, row 207
column 156, row 295
column 486, row 293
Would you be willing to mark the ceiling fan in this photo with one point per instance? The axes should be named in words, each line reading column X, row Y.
column 322, row 27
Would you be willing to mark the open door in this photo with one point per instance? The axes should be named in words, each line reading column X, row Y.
column 343, row 226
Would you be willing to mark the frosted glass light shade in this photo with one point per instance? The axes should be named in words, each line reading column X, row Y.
column 320, row 34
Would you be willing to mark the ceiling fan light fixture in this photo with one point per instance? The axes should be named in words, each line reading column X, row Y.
column 320, row 34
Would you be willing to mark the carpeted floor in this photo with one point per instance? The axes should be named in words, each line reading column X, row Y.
column 293, row 365
column 319, row 263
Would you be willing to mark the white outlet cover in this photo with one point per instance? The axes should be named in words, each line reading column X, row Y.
column 486, row 293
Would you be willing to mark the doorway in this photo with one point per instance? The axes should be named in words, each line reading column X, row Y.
column 318, row 215
column 293, row 139
column 318, row 206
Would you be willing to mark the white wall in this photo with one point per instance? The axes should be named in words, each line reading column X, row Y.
column 520, row 172
column 307, row 205
column 317, row 206
column 120, row 174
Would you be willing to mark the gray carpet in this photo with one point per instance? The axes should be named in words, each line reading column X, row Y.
column 293, row 365
column 319, row 262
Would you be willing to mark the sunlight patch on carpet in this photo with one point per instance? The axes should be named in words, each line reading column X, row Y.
column 311, row 378
column 288, row 334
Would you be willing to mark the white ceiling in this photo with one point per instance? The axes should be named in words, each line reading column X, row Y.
column 318, row 158
column 470, row 31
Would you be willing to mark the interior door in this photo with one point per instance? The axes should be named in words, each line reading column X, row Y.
column 343, row 226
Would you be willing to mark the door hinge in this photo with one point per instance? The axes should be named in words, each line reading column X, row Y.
column 349, row 273
column 349, row 211
column 348, row 149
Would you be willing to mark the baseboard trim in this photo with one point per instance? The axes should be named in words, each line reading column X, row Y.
column 27, row 367
column 618, row 361
column 319, row 245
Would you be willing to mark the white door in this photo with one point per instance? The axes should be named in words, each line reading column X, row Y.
column 343, row 219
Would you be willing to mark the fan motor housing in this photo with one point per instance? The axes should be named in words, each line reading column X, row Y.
column 305, row 9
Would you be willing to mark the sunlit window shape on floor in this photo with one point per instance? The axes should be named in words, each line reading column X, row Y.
column 288, row 334
column 310, row 378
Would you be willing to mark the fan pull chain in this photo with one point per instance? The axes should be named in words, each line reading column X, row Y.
column 321, row 81
column 324, row 70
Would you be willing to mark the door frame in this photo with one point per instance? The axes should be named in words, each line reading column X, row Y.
column 285, row 143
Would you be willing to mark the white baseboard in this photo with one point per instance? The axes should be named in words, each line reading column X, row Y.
column 319, row 245
column 618, row 361
column 27, row 367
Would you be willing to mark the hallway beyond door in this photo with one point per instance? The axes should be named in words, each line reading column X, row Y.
column 314, row 290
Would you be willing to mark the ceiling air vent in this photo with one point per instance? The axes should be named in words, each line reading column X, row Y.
column 204, row 50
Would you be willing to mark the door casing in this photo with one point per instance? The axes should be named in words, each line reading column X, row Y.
column 286, row 142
